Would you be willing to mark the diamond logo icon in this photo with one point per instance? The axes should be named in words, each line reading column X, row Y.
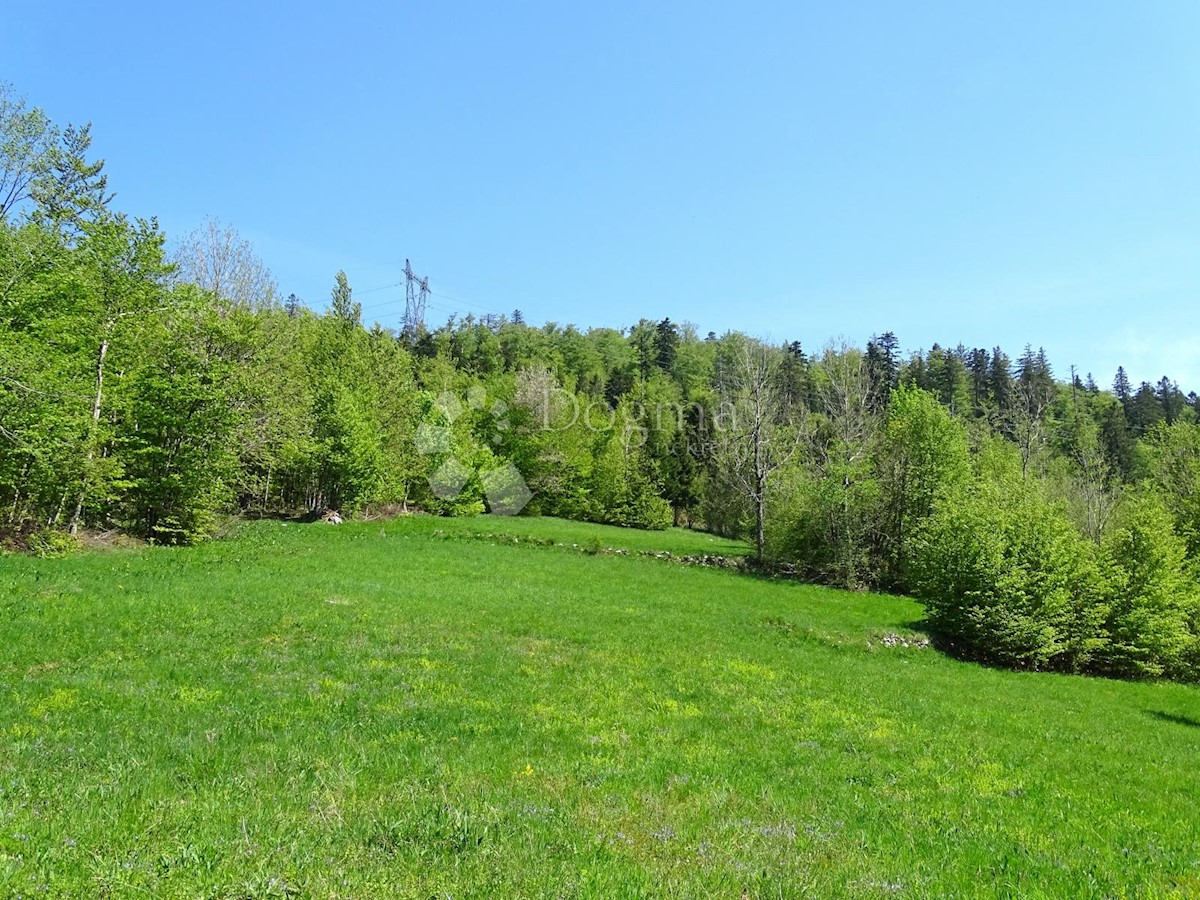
column 506, row 491
column 449, row 479
column 477, row 397
column 433, row 439
column 449, row 405
column 504, row 487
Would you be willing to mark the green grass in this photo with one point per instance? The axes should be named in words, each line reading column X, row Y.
column 375, row 711
column 584, row 535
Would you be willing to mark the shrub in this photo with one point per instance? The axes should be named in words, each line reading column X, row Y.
column 823, row 527
column 1170, row 456
column 1006, row 579
column 1152, row 596
column 47, row 542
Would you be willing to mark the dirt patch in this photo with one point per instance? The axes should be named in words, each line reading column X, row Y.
column 113, row 539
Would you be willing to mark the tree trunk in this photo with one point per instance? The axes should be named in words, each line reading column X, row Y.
column 12, row 516
column 91, row 453
column 760, row 535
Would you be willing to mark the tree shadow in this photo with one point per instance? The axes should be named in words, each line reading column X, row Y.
column 1186, row 721
column 946, row 645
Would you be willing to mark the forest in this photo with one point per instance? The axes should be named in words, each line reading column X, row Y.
column 159, row 386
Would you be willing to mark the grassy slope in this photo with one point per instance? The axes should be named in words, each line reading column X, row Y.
column 583, row 535
column 373, row 711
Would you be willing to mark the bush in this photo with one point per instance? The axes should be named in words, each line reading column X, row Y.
column 1153, row 598
column 1006, row 579
column 923, row 454
column 48, row 542
column 823, row 527
column 1170, row 456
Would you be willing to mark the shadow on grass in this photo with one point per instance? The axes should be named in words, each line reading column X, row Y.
column 963, row 652
column 1186, row 721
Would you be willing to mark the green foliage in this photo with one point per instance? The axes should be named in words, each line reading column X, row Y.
column 342, row 306
column 1170, row 457
column 1005, row 578
column 70, row 192
column 923, row 455
column 26, row 139
column 46, row 543
column 139, row 396
column 620, row 491
column 179, row 423
column 1153, row 597
column 824, row 527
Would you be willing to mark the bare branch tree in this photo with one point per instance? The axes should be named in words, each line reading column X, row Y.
column 1028, row 422
column 756, row 433
column 218, row 259
column 845, row 395
column 848, row 426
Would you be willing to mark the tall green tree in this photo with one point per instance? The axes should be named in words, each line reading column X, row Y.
column 923, row 454
column 342, row 306
column 27, row 137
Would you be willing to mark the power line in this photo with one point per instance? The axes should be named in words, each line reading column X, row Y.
column 416, row 300
column 396, row 302
column 384, row 288
column 466, row 303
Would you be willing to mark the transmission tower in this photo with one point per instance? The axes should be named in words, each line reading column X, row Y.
column 416, row 292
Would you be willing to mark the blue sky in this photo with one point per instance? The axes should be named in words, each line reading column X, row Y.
column 986, row 172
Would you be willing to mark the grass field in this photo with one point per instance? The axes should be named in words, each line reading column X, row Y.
column 415, row 709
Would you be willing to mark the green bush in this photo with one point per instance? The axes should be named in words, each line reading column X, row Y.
column 1153, row 598
column 1006, row 579
column 48, row 542
column 824, row 528
column 1170, row 457
column 923, row 453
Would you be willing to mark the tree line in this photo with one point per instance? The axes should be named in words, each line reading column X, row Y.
column 1046, row 522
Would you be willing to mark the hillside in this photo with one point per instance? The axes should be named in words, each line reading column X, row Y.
column 428, row 707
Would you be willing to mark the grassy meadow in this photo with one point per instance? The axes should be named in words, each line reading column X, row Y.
column 445, row 708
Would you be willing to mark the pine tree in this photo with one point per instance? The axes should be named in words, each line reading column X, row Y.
column 1172, row 399
column 795, row 375
column 666, row 344
column 1000, row 382
column 883, row 368
column 71, row 191
column 950, row 380
column 1145, row 410
column 1121, row 387
column 977, row 369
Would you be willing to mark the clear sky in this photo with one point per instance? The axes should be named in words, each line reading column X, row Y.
column 986, row 172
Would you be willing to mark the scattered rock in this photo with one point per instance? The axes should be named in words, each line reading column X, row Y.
column 891, row 639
